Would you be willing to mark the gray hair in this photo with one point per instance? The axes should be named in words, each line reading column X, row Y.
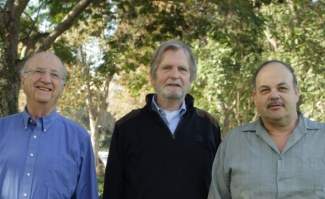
column 24, row 65
column 173, row 45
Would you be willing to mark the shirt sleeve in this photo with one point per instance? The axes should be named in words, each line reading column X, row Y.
column 220, row 183
column 87, row 182
column 114, row 180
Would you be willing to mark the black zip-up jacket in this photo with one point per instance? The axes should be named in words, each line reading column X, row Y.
column 147, row 162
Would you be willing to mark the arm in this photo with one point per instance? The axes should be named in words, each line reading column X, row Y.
column 220, row 184
column 87, row 182
column 113, row 185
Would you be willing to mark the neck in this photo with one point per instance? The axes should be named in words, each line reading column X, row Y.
column 280, row 127
column 169, row 104
column 39, row 111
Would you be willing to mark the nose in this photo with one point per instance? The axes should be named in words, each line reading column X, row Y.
column 46, row 77
column 174, row 73
column 274, row 95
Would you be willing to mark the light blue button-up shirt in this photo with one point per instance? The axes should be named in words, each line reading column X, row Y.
column 248, row 165
column 50, row 158
column 171, row 118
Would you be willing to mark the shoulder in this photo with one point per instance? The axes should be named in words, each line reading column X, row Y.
column 240, row 131
column 126, row 127
column 246, row 127
column 312, row 125
column 206, row 116
column 130, row 117
column 73, row 127
column 10, row 119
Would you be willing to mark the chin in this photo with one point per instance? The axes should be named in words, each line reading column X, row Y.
column 174, row 96
column 43, row 100
column 276, row 117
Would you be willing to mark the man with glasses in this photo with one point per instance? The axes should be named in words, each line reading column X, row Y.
column 43, row 154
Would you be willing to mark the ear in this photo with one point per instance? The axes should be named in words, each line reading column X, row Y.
column 297, row 92
column 22, row 79
column 253, row 96
column 63, row 83
column 151, row 79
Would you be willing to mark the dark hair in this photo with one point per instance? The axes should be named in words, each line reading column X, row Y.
column 172, row 45
column 287, row 66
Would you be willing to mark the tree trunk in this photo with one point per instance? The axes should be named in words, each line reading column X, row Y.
column 9, row 89
column 9, row 79
column 93, row 120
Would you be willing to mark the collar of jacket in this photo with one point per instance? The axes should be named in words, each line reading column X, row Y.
column 189, row 101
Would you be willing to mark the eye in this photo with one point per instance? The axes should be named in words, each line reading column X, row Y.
column 283, row 89
column 166, row 67
column 39, row 71
column 264, row 90
column 183, row 69
column 55, row 75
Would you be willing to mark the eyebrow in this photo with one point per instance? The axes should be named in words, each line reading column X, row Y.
column 283, row 84
column 279, row 84
column 45, row 68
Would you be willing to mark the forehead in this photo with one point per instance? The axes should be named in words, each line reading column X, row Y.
column 44, row 60
column 174, row 55
column 273, row 74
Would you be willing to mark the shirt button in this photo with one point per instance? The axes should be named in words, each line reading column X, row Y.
column 31, row 154
column 25, row 195
column 34, row 136
column 28, row 174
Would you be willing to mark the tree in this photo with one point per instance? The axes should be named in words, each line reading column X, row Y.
column 235, row 37
column 97, row 105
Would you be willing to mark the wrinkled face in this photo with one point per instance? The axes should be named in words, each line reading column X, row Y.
column 275, row 96
column 42, row 79
column 172, row 80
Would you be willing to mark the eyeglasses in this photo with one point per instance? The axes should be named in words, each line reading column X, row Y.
column 41, row 72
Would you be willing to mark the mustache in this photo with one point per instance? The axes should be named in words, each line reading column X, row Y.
column 173, row 84
column 275, row 103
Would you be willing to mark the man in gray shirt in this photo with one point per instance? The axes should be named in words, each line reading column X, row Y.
column 279, row 156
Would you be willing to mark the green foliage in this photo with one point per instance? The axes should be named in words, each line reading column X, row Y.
column 223, row 85
column 100, row 181
column 230, row 38
column 64, row 51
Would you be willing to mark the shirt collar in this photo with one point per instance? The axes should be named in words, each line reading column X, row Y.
column 44, row 122
column 154, row 106
column 304, row 126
